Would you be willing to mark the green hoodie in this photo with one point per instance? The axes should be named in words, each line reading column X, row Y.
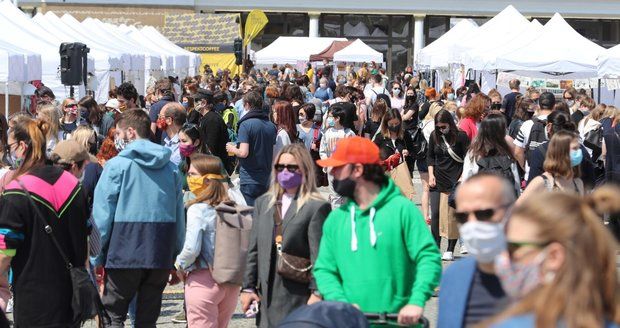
column 402, row 267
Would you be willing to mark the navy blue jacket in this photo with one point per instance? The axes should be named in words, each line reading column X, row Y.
column 454, row 292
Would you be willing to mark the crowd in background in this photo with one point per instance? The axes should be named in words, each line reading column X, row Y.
column 134, row 188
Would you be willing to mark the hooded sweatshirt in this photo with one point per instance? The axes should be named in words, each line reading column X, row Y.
column 138, row 208
column 380, row 258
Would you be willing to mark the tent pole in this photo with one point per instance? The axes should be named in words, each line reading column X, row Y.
column 496, row 73
column 599, row 91
column 6, row 100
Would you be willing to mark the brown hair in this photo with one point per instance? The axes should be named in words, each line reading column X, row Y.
column 107, row 149
column 32, row 132
column 557, row 161
column 136, row 119
column 379, row 109
column 286, row 118
column 584, row 291
column 588, row 103
column 476, row 107
column 215, row 191
column 391, row 114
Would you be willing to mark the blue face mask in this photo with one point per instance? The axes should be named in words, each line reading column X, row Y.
column 185, row 104
column 220, row 107
column 576, row 156
column 331, row 122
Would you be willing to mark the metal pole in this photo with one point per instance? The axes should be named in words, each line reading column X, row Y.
column 599, row 91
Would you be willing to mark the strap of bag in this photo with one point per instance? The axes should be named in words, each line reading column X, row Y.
column 450, row 151
column 47, row 228
column 277, row 223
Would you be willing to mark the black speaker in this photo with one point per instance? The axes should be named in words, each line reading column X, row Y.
column 238, row 49
column 73, row 61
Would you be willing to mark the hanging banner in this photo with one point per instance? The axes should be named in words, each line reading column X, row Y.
column 254, row 24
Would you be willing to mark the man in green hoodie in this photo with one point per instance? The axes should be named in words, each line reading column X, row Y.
column 376, row 251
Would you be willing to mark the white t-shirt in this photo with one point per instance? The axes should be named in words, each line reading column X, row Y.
column 282, row 139
column 373, row 92
column 523, row 137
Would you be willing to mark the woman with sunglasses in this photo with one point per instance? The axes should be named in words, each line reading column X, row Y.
column 208, row 304
column 562, row 167
column 560, row 267
column 297, row 210
column 447, row 147
column 69, row 121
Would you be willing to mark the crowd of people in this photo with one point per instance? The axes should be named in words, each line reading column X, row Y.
column 138, row 189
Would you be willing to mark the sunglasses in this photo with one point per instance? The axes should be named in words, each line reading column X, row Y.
column 288, row 167
column 71, row 105
column 484, row 215
column 513, row 246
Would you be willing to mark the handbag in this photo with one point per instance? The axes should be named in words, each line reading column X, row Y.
column 85, row 302
column 402, row 179
column 289, row 266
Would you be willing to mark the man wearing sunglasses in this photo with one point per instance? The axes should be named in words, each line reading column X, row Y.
column 470, row 292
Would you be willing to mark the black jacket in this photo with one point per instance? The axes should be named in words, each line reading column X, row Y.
column 387, row 148
column 214, row 134
column 301, row 235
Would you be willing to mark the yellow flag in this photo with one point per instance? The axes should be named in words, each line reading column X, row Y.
column 254, row 24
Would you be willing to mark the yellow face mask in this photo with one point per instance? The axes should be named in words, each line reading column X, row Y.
column 197, row 184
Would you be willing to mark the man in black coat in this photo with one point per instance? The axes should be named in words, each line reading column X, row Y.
column 212, row 128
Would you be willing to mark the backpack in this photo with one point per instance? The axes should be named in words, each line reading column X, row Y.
column 538, row 135
column 419, row 143
column 499, row 165
column 232, row 238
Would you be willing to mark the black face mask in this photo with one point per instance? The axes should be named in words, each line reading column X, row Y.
column 345, row 187
column 394, row 128
column 496, row 106
column 409, row 99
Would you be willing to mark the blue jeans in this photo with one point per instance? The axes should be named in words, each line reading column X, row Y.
column 252, row 191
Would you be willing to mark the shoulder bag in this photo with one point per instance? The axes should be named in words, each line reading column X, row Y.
column 289, row 266
column 85, row 301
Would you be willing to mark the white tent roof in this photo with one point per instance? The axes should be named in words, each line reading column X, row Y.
column 290, row 50
column 137, row 57
column 153, row 58
column 104, row 58
column 134, row 35
column 558, row 51
column 358, row 52
column 485, row 55
column 485, row 58
column 505, row 25
column 609, row 63
column 435, row 55
column 194, row 59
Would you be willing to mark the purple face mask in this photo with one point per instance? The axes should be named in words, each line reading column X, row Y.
column 289, row 180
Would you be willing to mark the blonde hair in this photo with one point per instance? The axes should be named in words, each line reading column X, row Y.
column 584, row 291
column 82, row 134
column 215, row 191
column 308, row 189
column 50, row 115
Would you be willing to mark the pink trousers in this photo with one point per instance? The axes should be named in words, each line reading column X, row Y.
column 209, row 304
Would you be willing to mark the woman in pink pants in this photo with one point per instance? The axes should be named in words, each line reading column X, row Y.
column 208, row 304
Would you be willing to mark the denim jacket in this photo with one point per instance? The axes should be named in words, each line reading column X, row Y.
column 199, row 244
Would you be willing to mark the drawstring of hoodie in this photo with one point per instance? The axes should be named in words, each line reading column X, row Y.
column 373, row 234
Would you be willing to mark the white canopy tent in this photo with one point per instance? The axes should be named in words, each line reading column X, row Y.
column 358, row 52
column 504, row 26
column 558, row 52
column 485, row 58
column 609, row 63
column 435, row 55
column 290, row 50
column 193, row 60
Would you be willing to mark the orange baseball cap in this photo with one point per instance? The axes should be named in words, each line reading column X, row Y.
column 353, row 150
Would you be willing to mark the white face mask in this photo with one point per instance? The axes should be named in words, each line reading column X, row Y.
column 484, row 240
column 396, row 92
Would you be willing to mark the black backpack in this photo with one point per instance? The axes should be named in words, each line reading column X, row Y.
column 538, row 135
column 499, row 165
column 419, row 143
